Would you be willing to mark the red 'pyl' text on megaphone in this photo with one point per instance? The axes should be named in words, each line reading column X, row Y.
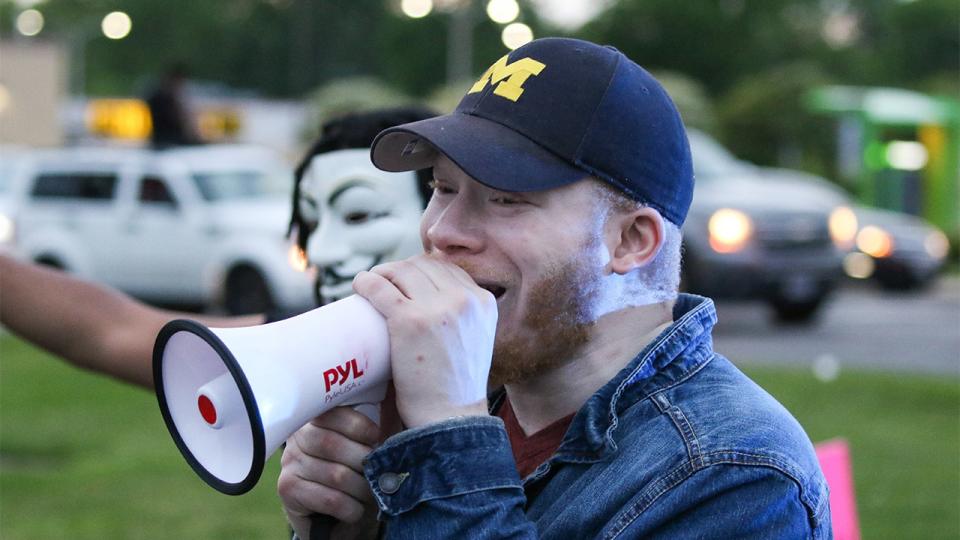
column 231, row 396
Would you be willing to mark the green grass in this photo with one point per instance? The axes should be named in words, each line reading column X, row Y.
column 84, row 457
column 904, row 435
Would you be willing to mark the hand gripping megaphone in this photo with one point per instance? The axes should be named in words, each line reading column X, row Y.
column 231, row 396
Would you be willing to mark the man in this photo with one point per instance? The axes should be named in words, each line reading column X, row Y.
column 103, row 330
column 170, row 118
column 551, row 266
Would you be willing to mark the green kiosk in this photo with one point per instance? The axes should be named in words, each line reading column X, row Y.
column 899, row 149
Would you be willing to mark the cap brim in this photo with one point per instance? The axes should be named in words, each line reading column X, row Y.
column 489, row 152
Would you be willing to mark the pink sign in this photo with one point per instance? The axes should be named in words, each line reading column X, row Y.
column 834, row 457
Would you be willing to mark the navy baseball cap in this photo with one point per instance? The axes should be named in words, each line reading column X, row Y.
column 553, row 112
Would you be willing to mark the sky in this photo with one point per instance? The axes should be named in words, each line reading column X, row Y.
column 569, row 14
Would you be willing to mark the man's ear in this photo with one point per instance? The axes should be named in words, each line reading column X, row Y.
column 637, row 238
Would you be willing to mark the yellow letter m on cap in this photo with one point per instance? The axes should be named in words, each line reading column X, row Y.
column 515, row 74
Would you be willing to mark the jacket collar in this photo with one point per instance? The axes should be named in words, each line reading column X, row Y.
column 679, row 351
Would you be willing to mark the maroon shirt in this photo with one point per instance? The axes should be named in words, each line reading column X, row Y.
column 530, row 452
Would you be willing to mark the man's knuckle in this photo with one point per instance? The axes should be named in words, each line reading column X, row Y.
column 337, row 474
column 487, row 299
column 331, row 501
column 365, row 284
column 287, row 457
column 460, row 301
column 381, row 268
column 316, row 445
column 338, row 415
column 388, row 270
column 371, row 433
column 361, row 429
column 329, row 443
column 286, row 485
column 353, row 513
column 466, row 304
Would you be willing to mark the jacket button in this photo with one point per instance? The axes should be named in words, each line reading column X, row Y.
column 389, row 482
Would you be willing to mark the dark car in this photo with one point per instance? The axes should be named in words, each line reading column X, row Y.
column 899, row 251
column 770, row 234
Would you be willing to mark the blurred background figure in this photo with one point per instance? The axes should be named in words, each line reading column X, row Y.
column 350, row 216
column 169, row 113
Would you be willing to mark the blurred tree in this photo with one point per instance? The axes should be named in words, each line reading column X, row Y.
column 764, row 120
column 691, row 99
column 242, row 43
column 281, row 48
column 874, row 42
column 716, row 42
column 759, row 56
column 350, row 94
column 413, row 51
column 754, row 56
column 445, row 98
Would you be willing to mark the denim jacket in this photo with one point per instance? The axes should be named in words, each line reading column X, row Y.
column 680, row 444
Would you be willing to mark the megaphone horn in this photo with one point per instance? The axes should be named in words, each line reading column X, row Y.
column 231, row 396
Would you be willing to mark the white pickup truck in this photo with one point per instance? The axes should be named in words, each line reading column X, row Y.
column 202, row 226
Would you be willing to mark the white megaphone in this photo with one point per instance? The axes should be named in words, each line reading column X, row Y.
column 231, row 396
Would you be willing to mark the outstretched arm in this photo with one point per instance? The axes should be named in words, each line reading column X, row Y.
column 89, row 325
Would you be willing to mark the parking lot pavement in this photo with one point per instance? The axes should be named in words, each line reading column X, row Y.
column 860, row 327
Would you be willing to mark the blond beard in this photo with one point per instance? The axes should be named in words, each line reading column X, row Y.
column 558, row 321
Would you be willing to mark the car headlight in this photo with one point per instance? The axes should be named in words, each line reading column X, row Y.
column 875, row 242
column 936, row 245
column 729, row 230
column 297, row 258
column 843, row 227
column 858, row 265
column 6, row 229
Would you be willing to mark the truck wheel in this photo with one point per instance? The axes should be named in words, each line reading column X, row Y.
column 50, row 261
column 247, row 292
column 899, row 281
column 791, row 311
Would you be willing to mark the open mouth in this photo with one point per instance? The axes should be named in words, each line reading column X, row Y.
column 496, row 290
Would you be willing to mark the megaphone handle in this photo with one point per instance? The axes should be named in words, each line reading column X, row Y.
column 320, row 526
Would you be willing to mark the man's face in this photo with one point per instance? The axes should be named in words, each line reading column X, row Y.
column 542, row 254
column 363, row 217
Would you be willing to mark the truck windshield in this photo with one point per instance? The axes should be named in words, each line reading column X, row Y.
column 710, row 159
column 7, row 170
column 217, row 186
